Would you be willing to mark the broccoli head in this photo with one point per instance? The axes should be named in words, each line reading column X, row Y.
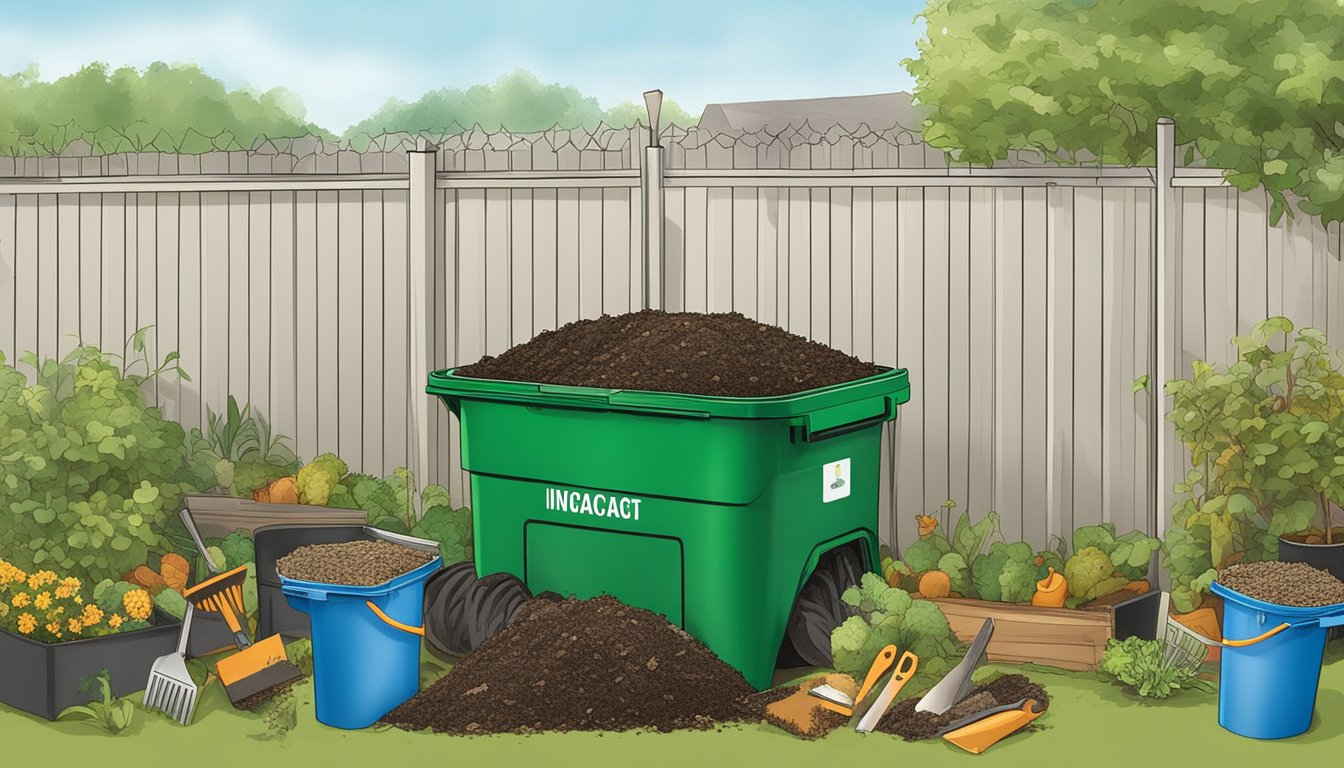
column 925, row 631
column 958, row 574
column 851, row 643
column 1086, row 571
column 318, row 477
column 373, row 495
column 1017, row 583
column 238, row 549
column 451, row 528
column 923, row 555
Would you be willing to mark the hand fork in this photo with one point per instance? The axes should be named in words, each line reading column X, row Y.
column 170, row 688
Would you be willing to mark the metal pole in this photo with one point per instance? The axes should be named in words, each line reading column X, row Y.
column 651, row 188
column 1163, row 345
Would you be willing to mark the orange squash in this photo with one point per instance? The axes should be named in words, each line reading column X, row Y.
column 284, row 491
column 174, row 570
column 934, row 584
column 1051, row 592
column 262, row 494
column 145, row 576
column 1138, row 587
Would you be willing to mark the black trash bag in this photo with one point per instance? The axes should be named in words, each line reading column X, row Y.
column 819, row 610
column 462, row 611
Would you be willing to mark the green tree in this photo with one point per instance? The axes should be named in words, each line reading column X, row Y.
column 169, row 108
column 1254, row 87
column 517, row 101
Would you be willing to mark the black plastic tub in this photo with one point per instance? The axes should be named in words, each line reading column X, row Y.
column 1137, row 616
column 44, row 679
column 274, row 616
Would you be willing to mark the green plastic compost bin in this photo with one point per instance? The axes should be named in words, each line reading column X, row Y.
column 712, row 511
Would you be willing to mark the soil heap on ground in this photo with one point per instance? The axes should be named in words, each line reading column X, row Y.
column 353, row 563
column 1296, row 584
column 582, row 665
column 902, row 719
column 722, row 354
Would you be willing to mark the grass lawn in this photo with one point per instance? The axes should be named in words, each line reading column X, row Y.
column 1089, row 722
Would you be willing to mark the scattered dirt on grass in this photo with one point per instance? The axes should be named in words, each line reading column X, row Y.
column 354, row 563
column 902, row 719
column 723, row 354
column 582, row 665
column 254, row 702
column 796, row 711
column 1296, row 584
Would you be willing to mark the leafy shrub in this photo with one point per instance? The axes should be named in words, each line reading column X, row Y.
column 89, row 475
column 885, row 615
column 108, row 712
column 451, row 528
column 237, row 453
column 1140, row 666
column 238, row 549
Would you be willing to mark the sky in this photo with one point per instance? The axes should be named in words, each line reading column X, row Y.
column 346, row 59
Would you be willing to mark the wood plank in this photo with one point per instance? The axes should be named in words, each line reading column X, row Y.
column 544, row 277
column 90, row 249
column 799, row 318
column 373, row 363
column 8, row 272
column 1220, row 273
column 674, row 250
column 841, row 274
column 820, row 254
column 283, row 395
column 26, row 295
column 1008, row 460
column 521, row 300
column 909, row 456
column 886, row 207
column 783, row 239
column 471, row 275
column 1088, row 343
column 959, row 467
column 615, row 251
column 745, row 253
column 398, row 388
column 48, row 278
column 767, row 250
column 1117, row 451
column 1320, row 295
column 240, row 309
column 1252, row 258
column 447, row 285
column 68, row 281
column 146, row 280
column 937, row 309
column 590, row 253
column 980, row 308
column 167, row 299
column 719, row 249
column 1059, row 366
column 1142, row 516
column 189, row 305
column 327, row 365
column 567, row 257
column 498, row 314
column 349, row 414
column 697, row 254
column 638, row 258
column 306, row 336
column 1035, row 353
column 1276, row 237
column 861, row 284
column 259, row 302
column 214, row 368
column 1192, row 314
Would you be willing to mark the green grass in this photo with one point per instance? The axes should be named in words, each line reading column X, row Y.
column 1090, row 722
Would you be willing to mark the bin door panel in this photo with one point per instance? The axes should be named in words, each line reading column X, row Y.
column 640, row 570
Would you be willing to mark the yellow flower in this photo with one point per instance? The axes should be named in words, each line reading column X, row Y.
column 43, row 601
column 27, row 623
column 79, row 600
column 54, row 627
column 138, row 604
column 41, row 578
column 4, row 610
column 92, row 615
column 20, row 600
column 75, row 626
column 63, row 592
column 73, row 583
column 115, row 621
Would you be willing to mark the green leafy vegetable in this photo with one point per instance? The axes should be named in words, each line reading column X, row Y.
column 107, row 712
column 451, row 528
column 238, row 549
column 1140, row 665
column 885, row 615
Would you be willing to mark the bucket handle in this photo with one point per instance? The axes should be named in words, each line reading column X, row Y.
column 391, row 622
column 1323, row 622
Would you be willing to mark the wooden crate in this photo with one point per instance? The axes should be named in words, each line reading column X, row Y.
column 1069, row 638
column 221, row 515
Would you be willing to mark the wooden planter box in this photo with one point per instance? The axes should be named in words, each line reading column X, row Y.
column 222, row 515
column 1069, row 638
column 44, row 679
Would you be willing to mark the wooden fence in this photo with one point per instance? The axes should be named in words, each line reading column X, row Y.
column 1019, row 297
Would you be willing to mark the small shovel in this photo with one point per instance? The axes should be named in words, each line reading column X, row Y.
column 988, row 731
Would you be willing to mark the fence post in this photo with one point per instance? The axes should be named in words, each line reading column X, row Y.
column 1164, row 348
column 423, row 332
column 651, row 189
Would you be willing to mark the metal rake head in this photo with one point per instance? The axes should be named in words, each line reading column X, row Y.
column 174, row 696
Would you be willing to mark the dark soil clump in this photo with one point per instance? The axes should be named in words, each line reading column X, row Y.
column 354, row 563
column 254, row 702
column 723, row 354
column 902, row 719
column 1296, row 584
column 582, row 665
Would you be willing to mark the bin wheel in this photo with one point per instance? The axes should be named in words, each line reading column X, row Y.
column 462, row 611
column 819, row 610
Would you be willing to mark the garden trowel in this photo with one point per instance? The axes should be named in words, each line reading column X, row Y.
column 957, row 683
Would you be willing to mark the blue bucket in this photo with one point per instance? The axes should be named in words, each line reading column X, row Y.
column 1270, row 672
column 366, row 643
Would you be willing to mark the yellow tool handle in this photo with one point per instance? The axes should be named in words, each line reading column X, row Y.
column 880, row 665
column 1257, row 638
column 983, row 734
column 219, row 605
column 391, row 622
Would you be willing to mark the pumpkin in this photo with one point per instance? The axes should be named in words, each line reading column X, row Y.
column 1051, row 592
column 262, row 494
column 283, row 491
column 174, row 569
column 1138, row 587
column 935, row 584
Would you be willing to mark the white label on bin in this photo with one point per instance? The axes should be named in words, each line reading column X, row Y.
column 835, row 482
column 599, row 504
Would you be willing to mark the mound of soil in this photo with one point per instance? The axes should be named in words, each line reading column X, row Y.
column 354, row 563
column 1296, row 584
column 582, row 665
column 722, row 354
column 902, row 719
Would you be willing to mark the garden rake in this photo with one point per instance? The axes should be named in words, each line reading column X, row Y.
column 1185, row 648
column 170, row 688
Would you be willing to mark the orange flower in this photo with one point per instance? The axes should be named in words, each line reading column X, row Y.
column 27, row 623
column 43, row 601
column 20, row 600
column 115, row 621
column 54, row 628
column 927, row 524
column 63, row 592
column 92, row 615
column 75, row 626
column 73, row 583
